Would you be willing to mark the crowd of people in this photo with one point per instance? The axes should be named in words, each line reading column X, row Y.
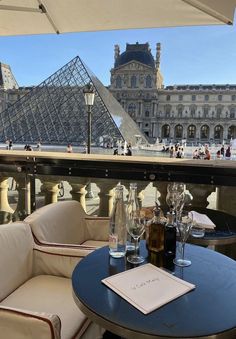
column 125, row 149
column 222, row 153
column 177, row 151
column 174, row 151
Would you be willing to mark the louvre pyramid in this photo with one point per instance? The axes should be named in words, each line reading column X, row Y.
column 55, row 112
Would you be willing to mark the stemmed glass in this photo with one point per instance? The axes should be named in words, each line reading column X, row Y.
column 175, row 197
column 135, row 226
column 184, row 225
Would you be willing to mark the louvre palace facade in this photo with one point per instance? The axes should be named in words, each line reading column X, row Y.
column 196, row 113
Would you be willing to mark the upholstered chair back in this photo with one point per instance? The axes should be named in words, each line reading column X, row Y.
column 16, row 256
column 60, row 222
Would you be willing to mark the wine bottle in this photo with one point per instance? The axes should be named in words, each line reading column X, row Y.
column 170, row 235
column 156, row 230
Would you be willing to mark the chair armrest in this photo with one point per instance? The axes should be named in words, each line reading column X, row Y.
column 21, row 324
column 58, row 260
column 98, row 228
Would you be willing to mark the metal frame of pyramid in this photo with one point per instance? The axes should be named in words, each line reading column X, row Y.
column 55, row 113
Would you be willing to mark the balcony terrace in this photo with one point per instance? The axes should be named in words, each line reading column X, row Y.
column 38, row 176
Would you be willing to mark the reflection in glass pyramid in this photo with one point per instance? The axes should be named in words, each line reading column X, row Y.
column 55, row 112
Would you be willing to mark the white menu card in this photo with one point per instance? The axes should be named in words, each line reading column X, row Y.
column 147, row 287
column 202, row 220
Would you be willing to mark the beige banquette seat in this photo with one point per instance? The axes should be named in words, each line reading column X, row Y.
column 67, row 223
column 35, row 289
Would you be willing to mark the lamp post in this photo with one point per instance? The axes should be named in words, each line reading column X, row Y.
column 89, row 95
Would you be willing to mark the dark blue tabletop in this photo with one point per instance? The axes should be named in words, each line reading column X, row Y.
column 209, row 309
column 224, row 232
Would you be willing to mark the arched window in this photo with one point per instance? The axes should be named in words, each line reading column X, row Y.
column 191, row 132
column 165, row 131
column 179, row 132
column 205, row 132
column 118, row 82
column 149, row 81
column 193, row 110
column 218, row 112
column 132, row 109
column 232, row 132
column 218, row 132
column 168, row 97
column 206, row 111
column 147, row 114
column 180, row 111
column 133, row 81
column 232, row 112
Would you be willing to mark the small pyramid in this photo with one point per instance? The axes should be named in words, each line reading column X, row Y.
column 55, row 112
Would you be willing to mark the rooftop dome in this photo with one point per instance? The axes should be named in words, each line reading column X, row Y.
column 136, row 52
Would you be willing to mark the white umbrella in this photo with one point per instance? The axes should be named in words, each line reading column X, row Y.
column 19, row 17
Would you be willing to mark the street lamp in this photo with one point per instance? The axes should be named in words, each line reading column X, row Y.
column 89, row 95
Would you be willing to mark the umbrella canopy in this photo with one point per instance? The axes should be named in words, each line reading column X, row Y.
column 19, row 17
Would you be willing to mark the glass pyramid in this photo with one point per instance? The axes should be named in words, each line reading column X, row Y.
column 55, row 113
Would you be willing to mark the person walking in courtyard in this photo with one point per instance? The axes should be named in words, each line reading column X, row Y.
column 10, row 144
column 172, row 152
column 218, row 154
column 228, row 153
column 39, row 146
column 222, row 151
column 69, row 148
column 207, row 154
column 196, row 154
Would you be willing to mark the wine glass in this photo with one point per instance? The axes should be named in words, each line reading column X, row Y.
column 135, row 226
column 176, row 187
column 184, row 225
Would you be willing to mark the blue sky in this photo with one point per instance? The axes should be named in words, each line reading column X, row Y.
column 189, row 54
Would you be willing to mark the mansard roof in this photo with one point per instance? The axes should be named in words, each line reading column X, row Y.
column 136, row 52
column 202, row 87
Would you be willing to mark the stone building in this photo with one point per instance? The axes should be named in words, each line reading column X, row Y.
column 10, row 91
column 195, row 113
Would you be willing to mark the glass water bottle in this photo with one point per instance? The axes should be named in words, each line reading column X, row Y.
column 118, row 232
column 132, row 206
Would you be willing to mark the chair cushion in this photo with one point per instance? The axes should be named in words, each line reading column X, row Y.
column 53, row 295
column 60, row 222
column 16, row 256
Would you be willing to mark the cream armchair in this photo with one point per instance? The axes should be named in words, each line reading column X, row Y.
column 67, row 223
column 35, row 289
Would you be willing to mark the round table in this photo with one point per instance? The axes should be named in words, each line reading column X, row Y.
column 225, row 230
column 209, row 311
column 223, row 238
